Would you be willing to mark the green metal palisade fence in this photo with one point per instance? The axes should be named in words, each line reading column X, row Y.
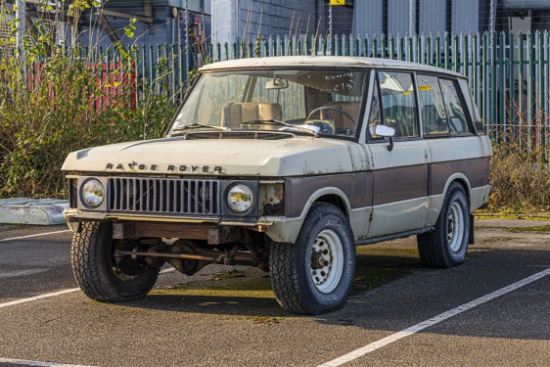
column 509, row 73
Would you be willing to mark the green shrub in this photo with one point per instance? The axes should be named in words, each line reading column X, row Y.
column 53, row 103
column 54, row 100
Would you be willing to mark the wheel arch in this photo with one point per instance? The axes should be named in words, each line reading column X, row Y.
column 461, row 179
column 330, row 195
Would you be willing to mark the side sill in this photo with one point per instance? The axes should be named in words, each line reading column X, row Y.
column 394, row 236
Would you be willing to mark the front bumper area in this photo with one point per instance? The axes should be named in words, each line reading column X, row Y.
column 278, row 229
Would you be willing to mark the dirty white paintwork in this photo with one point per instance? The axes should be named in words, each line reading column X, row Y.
column 321, row 61
column 287, row 157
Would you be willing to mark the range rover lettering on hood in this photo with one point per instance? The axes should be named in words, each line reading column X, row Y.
column 181, row 168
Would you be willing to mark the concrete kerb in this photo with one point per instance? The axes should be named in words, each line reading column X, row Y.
column 32, row 211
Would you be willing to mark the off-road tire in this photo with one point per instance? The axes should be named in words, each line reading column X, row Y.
column 92, row 262
column 296, row 288
column 435, row 248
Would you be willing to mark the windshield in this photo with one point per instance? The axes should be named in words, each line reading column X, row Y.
column 322, row 102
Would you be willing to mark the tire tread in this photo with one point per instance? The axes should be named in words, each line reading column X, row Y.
column 88, row 272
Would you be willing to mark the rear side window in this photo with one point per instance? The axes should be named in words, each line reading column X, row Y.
column 458, row 122
column 432, row 105
column 443, row 111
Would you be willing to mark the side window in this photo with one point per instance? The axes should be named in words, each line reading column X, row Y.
column 458, row 121
column 434, row 115
column 398, row 103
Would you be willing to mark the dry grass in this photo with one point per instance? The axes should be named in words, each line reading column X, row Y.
column 519, row 172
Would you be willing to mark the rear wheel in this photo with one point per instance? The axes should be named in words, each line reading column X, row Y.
column 446, row 245
column 316, row 273
column 101, row 275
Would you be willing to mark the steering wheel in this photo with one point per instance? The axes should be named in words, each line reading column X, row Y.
column 322, row 108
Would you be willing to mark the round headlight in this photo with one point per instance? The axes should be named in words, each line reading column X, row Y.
column 92, row 193
column 240, row 198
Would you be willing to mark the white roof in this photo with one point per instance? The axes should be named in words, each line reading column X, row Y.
column 321, row 61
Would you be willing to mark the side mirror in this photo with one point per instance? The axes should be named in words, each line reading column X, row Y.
column 383, row 131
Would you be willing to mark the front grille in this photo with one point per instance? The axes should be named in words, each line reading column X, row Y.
column 164, row 196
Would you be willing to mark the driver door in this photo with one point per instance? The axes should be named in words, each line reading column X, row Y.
column 401, row 166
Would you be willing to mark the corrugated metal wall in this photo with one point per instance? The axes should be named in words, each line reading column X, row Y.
column 432, row 16
column 367, row 18
column 465, row 16
column 399, row 21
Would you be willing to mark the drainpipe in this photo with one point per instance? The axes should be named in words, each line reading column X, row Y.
column 330, row 29
column 186, row 15
column 412, row 17
column 493, row 16
column 21, row 16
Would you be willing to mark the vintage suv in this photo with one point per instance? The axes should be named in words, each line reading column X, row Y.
column 284, row 163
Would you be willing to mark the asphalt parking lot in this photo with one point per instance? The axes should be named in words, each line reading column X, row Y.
column 491, row 311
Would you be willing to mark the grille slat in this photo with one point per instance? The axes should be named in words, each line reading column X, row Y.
column 164, row 196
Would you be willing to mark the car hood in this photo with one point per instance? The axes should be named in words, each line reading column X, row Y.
column 294, row 156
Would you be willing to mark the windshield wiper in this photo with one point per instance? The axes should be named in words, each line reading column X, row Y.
column 281, row 123
column 196, row 125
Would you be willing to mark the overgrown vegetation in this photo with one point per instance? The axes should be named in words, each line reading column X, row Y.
column 54, row 100
column 519, row 173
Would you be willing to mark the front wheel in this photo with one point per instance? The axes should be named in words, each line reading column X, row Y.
column 101, row 275
column 446, row 245
column 316, row 273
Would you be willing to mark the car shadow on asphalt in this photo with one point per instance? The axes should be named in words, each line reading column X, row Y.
column 246, row 291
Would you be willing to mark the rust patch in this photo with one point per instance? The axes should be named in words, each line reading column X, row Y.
column 271, row 199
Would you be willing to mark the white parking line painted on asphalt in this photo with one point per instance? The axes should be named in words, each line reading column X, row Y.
column 22, row 273
column 167, row 270
column 33, row 235
column 55, row 294
column 433, row 321
column 36, row 298
column 35, row 363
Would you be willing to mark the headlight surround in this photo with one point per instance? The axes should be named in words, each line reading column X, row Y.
column 92, row 193
column 240, row 198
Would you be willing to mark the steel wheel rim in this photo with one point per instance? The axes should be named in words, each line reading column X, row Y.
column 327, row 261
column 455, row 227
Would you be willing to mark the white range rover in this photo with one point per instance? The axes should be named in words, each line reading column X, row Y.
column 286, row 164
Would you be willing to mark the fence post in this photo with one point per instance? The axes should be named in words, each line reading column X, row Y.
column 503, row 84
column 465, row 55
column 530, row 89
column 390, row 47
column 438, row 50
column 520, row 87
column 511, row 75
column 410, row 48
column 446, row 50
column 475, row 83
column 546, row 95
